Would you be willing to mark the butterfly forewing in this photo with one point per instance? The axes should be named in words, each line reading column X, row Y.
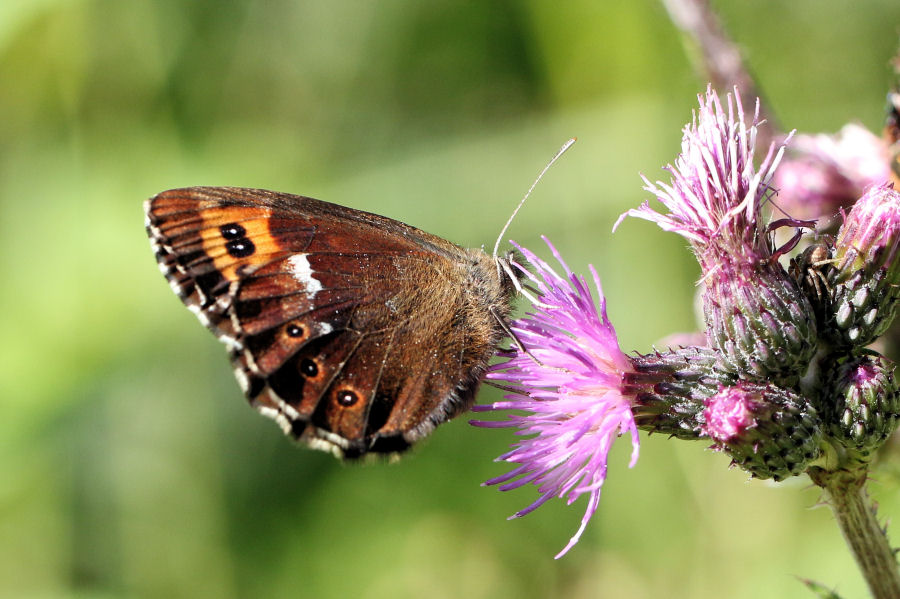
column 355, row 332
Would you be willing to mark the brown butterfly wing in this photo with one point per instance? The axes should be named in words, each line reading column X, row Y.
column 355, row 332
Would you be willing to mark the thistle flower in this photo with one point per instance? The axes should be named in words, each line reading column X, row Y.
column 755, row 313
column 570, row 387
column 716, row 194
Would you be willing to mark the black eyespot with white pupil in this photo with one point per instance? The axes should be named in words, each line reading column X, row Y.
column 238, row 245
column 309, row 369
column 347, row 398
column 240, row 248
column 294, row 330
column 233, row 231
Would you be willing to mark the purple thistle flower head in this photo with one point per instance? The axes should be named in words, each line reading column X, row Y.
column 569, row 386
column 755, row 314
column 715, row 197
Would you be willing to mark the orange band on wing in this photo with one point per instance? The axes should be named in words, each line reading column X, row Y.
column 238, row 237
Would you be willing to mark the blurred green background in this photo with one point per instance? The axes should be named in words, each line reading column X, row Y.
column 130, row 465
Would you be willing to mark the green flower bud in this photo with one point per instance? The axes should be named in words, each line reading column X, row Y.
column 861, row 403
column 770, row 432
column 760, row 321
column 865, row 278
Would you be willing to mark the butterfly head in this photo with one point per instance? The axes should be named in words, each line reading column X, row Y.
column 510, row 272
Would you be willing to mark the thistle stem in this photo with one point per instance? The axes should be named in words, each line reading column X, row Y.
column 855, row 514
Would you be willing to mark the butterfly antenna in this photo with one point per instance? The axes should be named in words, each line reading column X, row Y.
column 561, row 151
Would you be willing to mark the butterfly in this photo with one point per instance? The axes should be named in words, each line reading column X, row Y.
column 356, row 333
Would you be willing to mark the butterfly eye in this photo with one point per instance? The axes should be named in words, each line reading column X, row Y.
column 295, row 330
column 347, row 398
column 308, row 368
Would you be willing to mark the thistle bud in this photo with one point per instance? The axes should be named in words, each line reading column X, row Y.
column 862, row 405
column 760, row 321
column 866, row 274
column 770, row 432
column 670, row 388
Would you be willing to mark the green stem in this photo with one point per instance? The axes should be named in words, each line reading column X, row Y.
column 855, row 514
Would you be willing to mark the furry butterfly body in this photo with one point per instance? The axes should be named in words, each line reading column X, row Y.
column 355, row 332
